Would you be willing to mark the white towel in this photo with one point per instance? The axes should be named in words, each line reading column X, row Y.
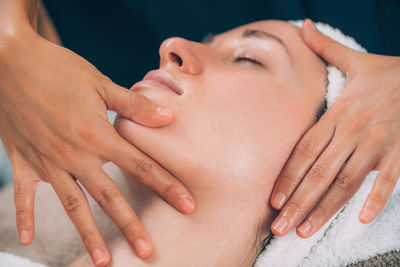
column 344, row 239
column 10, row 260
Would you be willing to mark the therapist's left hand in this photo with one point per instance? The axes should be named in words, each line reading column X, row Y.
column 360, row 132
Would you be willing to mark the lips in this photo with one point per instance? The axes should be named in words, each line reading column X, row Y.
column 160, row 79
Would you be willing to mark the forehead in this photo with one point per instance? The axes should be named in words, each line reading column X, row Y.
column 277, row 26
column 310, row 70
column 289, row 33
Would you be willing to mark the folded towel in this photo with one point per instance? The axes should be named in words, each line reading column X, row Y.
column 344, row 239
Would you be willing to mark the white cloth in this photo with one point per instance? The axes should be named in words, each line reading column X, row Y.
column 344, row 239
column 10, row 260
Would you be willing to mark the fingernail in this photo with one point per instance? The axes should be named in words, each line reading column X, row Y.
column 98, row 256
column 305, row 228
column 279, row 199
column 24, row 236
column 185, row 205
column 280, row 225
column 309, row 21
column 367, row 215
column 141, row 246
column 164, row 112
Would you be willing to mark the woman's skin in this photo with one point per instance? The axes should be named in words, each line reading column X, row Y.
column 358, row 133
column 236, row 124
column 50, row 133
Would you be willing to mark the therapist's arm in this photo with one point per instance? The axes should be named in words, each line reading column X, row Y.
column 360, row 132
column 53, row 124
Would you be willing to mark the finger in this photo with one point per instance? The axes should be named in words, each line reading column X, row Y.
column 107, row 194
column 342, row 189
column 383, row 187
column 77, row 207
column 149, row 173
column 25, row 182
column 314, row 184
column 332, row 51
column 136, row 107
column 303, row 156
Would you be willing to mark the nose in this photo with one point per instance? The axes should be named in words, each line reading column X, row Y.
column 180, row 53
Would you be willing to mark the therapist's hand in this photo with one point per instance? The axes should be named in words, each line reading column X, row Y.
column 53, row 124
column 360, row 132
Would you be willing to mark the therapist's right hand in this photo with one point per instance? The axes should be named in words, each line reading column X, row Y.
column 53, row 124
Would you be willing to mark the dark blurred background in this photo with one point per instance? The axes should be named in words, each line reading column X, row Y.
column 121, row 37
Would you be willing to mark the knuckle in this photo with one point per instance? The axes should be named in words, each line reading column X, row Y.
column 170, row 189
column 72, row 203
column 378, row 199
column 88, row 238
column 356, row 122
column 287, row 182
column 143, row 170
column 304, row 149
column 18, row 189
column 21, row 215
column 337, row 108
column 137, row 100
column 105, row 197
column 142, row 107
column 343, row 181
column 317, row 173
column 376, row 134
column 293, row 207
column 130, row 228
column 320, row 213
column 347, row 132
column 90, row 135
column 64, row 150
column 387, row 180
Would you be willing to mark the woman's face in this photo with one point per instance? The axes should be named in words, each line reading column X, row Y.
column 241, row 100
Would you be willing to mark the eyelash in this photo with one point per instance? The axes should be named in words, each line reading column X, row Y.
column 248, row 59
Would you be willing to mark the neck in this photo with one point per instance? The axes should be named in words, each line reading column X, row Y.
column 221, row 226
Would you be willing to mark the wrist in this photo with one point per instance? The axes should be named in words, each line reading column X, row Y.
column 15, row 38
column 17, row 21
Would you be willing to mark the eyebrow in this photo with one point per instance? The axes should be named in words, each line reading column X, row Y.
column 249, row 33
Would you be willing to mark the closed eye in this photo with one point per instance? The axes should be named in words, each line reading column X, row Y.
column 248, row 59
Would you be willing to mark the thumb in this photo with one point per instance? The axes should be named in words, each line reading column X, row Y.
column 330, row 50
column 136, row 107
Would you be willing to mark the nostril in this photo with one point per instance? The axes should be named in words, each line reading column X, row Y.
column 175, row 58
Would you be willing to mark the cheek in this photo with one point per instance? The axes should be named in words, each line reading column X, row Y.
column 225, row 126
column 238, row 92
column 167, row 145
column 235, row 123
